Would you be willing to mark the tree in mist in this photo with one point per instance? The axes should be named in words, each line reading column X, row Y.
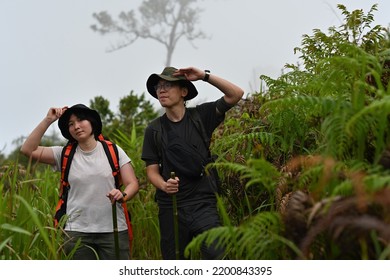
column 164, row 21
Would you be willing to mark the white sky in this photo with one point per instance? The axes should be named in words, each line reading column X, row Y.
column 49, row 56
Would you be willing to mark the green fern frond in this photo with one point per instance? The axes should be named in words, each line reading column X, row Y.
column 309, row 176
column 345, row 188
column 309, row 104
column 244, row 144
column 376, row 182
column 257, row 172
column 377, row 107
column 371, row 121
column 258, row 238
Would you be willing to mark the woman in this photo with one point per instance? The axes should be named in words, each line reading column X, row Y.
column 92, row 185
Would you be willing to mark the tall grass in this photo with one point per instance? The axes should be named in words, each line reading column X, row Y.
column 27, row 230
column 27, row 202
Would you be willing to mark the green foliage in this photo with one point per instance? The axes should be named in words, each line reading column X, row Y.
column 27, row 229
column 26, row 217
column 102, row 105
column 344, row 72
column 355, row 31
column 323, row 126
column 146, row 243
column 134, row 112
column 238, row 242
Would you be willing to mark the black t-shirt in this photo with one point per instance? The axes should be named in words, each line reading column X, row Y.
column 191, row 190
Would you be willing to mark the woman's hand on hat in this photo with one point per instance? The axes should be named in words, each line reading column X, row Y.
column 191, row 73
column 55, row 113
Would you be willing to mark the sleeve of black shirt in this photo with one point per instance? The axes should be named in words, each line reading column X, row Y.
column 209, row 116
column 149, row 148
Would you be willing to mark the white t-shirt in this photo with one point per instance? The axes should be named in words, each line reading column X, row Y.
column 91, row 179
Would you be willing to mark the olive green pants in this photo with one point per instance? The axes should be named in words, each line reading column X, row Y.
column 96, row 246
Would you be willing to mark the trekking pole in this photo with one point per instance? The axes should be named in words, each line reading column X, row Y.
column 175, row 221
column 115, row 228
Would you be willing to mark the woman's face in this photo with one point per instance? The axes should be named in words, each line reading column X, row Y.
column 80, row 129
column 170, row 93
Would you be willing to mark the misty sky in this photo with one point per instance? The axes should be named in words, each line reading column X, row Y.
column 51, row 58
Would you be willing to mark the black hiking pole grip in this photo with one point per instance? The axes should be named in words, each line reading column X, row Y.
column 175, row 221
column 115, row 228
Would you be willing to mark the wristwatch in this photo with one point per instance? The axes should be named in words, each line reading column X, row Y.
column 206, row 75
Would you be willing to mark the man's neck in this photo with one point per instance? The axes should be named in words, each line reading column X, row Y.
column 176, row 114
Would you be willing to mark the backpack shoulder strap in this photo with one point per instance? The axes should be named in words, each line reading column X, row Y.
column 66, row 160
column 111, row 151
column 156, row 126
column 195, row 117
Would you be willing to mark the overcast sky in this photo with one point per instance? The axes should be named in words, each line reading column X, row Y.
column 51, row 57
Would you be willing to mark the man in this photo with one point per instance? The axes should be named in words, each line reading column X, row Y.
column 181, row 149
